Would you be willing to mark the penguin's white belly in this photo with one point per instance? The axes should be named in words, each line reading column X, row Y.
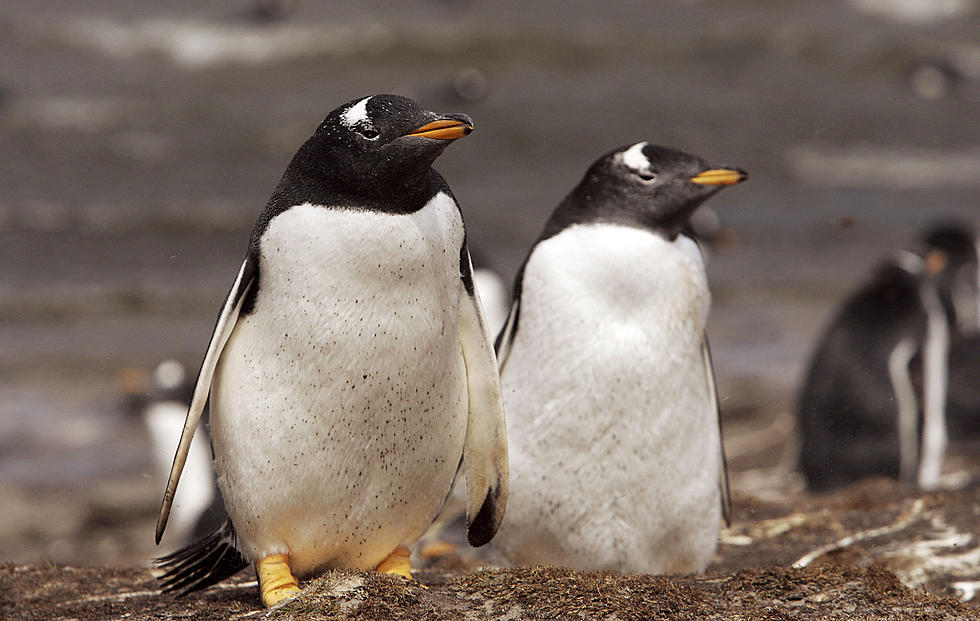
column 614, row 443
column 339, row 404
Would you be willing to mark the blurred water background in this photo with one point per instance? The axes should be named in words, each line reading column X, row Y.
column 139, row 140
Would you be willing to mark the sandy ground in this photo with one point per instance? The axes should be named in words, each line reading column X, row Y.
column 825, row 592
column 874, row 551
column 877, row 547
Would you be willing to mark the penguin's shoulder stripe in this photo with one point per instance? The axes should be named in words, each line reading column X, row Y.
column 466, row 268
column 248, row 287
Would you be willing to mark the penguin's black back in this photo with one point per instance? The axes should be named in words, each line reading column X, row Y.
column 963, row 399
column 847, row 410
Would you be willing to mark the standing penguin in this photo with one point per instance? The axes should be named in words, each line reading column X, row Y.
column 350, row 371
column 615, row 439
column 952, row 251
column 860, row 412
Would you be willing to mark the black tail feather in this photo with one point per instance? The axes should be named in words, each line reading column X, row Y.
column 202, row 573
column 207, row 561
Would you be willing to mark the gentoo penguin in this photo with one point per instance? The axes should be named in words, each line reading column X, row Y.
column 952, row 250
column 615, row 440
column 860, row 413
column 963, row 399
column 952, row 254
column 350, row 372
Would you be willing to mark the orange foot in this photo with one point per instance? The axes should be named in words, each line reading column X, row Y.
column 398, row 562
column 276, row 581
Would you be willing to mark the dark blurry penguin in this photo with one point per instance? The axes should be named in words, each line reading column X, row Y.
column 952, row 252
column 860, row 413
column 350, row 372
column 963, row 399
column 614, row 429
column 197, row 509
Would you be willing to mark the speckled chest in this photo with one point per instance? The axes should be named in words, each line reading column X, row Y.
column 362, row 274
column 356, row 310
column 341, row 400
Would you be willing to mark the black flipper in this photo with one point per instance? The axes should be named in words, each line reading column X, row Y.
column 485, row 448
column 207, row 561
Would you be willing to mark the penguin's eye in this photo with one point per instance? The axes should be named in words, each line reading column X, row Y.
column 646, row 176
column 368, row 132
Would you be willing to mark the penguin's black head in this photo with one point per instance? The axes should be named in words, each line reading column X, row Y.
column 895, row 283
column 381, row 144
column 949, row 247
column 650, row 185
column 951, row 259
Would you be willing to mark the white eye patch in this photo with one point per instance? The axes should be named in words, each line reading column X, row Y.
column 638, row 164
column 355, row 114
column 634, row 158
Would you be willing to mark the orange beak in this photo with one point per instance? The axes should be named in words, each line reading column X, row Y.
column 936, row 261
column 443, row 129
column 720, row 176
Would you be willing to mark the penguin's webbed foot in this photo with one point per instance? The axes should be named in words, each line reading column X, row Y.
column 276, row 581
column 398, row 562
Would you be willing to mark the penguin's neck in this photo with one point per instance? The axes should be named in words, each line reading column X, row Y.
column 590, row 204
column 400, row 187
column 396, row 193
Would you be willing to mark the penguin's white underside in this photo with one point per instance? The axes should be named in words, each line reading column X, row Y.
column 354, row 309
column 328, row 340
column 630, row 419
column 907, row 407
column 935, row 353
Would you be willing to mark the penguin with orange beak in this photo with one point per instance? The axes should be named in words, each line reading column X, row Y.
column 350, row 373
column 615, row 439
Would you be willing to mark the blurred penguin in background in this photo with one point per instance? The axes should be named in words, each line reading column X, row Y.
column 861, row 413
column 952, row 253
